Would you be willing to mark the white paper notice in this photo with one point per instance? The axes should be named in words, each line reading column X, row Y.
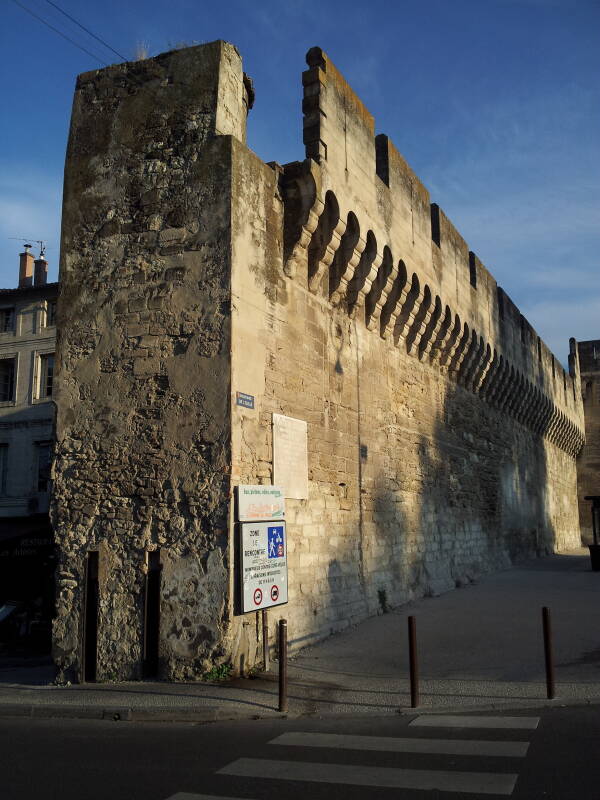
column 290, row 456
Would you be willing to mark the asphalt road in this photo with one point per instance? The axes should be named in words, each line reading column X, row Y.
column 535, row 753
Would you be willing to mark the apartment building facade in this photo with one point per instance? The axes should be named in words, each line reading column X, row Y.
column 27, row 341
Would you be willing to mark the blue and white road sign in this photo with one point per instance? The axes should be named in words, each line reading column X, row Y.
column 263, row 566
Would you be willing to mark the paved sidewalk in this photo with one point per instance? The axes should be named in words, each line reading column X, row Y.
column 479, row 646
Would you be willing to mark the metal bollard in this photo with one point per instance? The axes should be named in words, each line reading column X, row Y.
column 413, row 662
column 265, row 639
column 548, row 652
column 283, row 704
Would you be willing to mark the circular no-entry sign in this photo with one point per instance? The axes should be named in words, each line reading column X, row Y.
column 274, row 592
column 257, row 597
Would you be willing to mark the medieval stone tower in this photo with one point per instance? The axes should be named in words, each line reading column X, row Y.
column 441, row 431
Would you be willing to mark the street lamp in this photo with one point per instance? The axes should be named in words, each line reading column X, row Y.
column 595, row 547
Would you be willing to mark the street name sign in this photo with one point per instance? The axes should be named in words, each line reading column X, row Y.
column 264, row 576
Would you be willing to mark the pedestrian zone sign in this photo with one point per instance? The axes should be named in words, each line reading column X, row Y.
column 264, row 565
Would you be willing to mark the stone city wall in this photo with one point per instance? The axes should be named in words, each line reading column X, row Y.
column 441, row 431
column 588, row 463
column 143, row 427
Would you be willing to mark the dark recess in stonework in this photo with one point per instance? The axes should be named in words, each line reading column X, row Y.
column 90, row 630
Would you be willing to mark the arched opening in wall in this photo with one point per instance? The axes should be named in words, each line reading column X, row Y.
column 553, row 368
column 322, row 237
column 565, row 384
column 522, row 329
column 338, row 278
column 378, row 285
column 539, row 349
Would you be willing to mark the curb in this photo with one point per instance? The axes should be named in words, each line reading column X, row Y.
column 126, row 714
column 218, row 714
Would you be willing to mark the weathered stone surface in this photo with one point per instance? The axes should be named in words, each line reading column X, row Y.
column 441, row 431
column 144, row 351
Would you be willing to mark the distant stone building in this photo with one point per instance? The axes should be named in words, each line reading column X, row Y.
column 588, row 463
column 27, row 343
column 206, row 297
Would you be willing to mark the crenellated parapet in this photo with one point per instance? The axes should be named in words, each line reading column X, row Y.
column 361, row 232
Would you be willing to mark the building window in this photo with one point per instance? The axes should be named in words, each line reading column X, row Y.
column 51, row 313
column 46, row 375
column 44, row 459
column 7, row 320
column 3, row 467
column 7, row 380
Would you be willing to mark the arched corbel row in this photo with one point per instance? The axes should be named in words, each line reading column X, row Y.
column 537, row 411
column 380, row 290
column 546, row 417
column 482, row 369
column 432, row 330
column 515, row 396
column 361, row 282
column 440, row 339
column 471, row 359
column 420, row 322
column 501, row 384
column 452, row 343
column 504, row 395
column 346, row 260
column 325, row 241
column 303, row 207
column 489, row 380
column 528, row 402
column 528, row 405
column 395, row 301
column 406, row 317
column 362, row 274
column 460, row 352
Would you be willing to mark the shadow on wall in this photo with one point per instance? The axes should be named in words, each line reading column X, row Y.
column 476, row 502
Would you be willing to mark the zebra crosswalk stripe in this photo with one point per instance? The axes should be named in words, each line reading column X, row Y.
column 388, row 744
column 459, row 721
column 381, row 777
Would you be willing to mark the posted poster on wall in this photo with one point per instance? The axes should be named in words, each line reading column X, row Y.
column 260, row 503
column 264, row 565
column 290, row 456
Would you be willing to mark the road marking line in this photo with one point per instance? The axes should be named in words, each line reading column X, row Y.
column 388, row 777
column 456, row 721
column 453, row 747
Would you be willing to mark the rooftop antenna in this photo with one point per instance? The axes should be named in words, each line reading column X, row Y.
column 28, row 239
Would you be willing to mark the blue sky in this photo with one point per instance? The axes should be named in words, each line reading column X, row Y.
column 494, row 103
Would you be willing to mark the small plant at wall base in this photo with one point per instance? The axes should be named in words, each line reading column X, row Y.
column 220, row 672
column 382, row 597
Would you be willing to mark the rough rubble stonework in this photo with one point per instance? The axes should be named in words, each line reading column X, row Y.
column 442, row 433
